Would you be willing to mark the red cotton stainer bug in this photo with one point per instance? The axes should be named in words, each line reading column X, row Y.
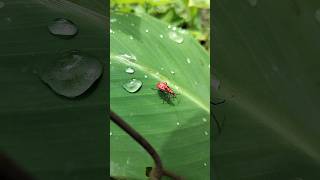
column 165, row 92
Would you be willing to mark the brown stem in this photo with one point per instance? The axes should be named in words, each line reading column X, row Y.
column 159, row 171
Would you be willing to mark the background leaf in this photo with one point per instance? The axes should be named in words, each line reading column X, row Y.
column 179, row 131
column 266, row 59
column 51, row 136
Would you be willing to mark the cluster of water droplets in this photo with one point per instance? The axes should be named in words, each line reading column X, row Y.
column 73, row 72
column 174, row 35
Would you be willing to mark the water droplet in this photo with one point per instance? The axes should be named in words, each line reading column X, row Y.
column 112, row 20
column 110, row 133
column 206, row 133
column 161, row 36
column 133, row 85
column 127, row 57
column 110, row 62
column 317, row 15
column 157, row 73
column 175, row 37
column 2, row 4
column 63, row 28
column 253, row 3
column 178, row 123
column 112, row 32
column 196, row 83
column 72, row 74
column 172, row 72
column 130, row 70
column 182, row 31
column 208, row 65
column 204, row 119
column 131, row 37
column 188, row 61
column 204, row 164
column 174, row 28
column 162, row 68
column 169, row 26
column 147, row 30
column 132, row 24
column 8, row 19
column 145, row 76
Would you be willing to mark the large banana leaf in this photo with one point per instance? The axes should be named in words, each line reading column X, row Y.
column 178, row 129
column 267, row 60
column 51, row 136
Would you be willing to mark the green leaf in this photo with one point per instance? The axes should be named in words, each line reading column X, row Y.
column 205, row 4
column 179, row 131
column 267, row 61
column 51, row 136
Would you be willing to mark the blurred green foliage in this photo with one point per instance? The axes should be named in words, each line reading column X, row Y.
column 192, row 15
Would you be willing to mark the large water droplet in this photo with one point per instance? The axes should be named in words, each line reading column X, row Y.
column 130, row 70
column 2, row 4
column 132, row 86
column 63, row 28
column 317, row 15
column 72, row 74
column 253, row 3
column 175, row 37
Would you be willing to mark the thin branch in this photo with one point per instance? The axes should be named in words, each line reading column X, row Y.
column 159, row 171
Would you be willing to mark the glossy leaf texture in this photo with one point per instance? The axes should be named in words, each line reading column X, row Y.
column 179, row 128
column 267, row 61
column 51, row 136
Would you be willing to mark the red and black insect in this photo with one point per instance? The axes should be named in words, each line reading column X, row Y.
column 165, row 92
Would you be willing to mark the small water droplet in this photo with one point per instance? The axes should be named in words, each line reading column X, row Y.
column 157, row 73
column 175, row 37
column 204, row 119
column 110, row 133
column 63, row 28
column 188, row 61
column 110, row 62
column 178, row 123
column 130, row 70
column 174, row 28
column 72, row 74
column 128, row 161
column 145, row 76
column 147, row 30
column 161, row 36
column 112, row 32
column 206, row 133
column 132, row 86
column 204, row 164
column 196, row 83
column 172, row 72
column 131, row 37
column 162, row 68
column 112, row 20
column 127, row 57
column 317, row 15
column 132, row 24
column 253, row 3
column 8, row 19
column 169, row 26
column 182, row 31
column 208, row 65
column 2, row 4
